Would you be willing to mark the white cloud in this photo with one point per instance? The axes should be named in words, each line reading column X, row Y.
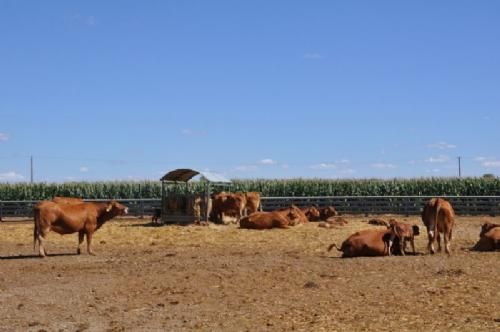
column 491, row 164
column 4, row 137
column 383, row 165
column 344, row 161
column 313, row 56
column 438, row 159
column 441, row 146
column 84, row 169
column 11, row 176
column 268, row 162
column 323, row 166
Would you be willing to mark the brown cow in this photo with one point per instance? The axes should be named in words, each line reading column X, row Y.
column 300, row 218
column 84, row 218
column 489, row 238
column 253, row 203
column 67, row 200
column 327, row 212
column 267, row 220
column 227, row 207
column 312, row 213
column 368, row 242
column 438, row 216
column 404, row 233
column 486, row 227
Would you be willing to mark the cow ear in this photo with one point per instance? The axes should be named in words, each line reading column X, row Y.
column 109, row 207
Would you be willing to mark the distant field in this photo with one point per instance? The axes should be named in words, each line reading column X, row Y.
column 222, row 278
column 267, row 188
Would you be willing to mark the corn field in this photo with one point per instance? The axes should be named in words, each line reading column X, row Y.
column 277, row 188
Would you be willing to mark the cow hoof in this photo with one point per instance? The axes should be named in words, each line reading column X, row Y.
column 78, row 252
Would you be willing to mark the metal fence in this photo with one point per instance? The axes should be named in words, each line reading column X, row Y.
column 407, row 205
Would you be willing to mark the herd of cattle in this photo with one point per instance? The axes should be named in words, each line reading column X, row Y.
column 65, row 215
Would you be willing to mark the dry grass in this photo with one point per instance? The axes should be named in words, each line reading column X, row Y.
column 227, row 279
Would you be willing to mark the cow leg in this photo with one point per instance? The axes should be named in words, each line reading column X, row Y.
column 402, row 245
column 41, row 249
column 390, row 243
column 89, row 244
column 430, row 245
column 41, row 237
column 81, row 235
column 447, row 239
column 439, row 241
column 412, row 241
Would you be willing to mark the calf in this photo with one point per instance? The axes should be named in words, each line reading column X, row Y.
column 404, row 233
column 156, row 218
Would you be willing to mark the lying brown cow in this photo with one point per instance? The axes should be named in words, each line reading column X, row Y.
column 489, row 238
column 300, row 218
column 327, row 212
column 438, row 216
column 265, row 220
column 312, row 213
column 404, row 233
column 368, row 242
column 84, row 218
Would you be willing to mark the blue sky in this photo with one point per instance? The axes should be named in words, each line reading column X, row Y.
column 121, row 90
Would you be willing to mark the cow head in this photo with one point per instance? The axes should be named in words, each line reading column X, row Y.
column 293, row 216
column 116, row 208
column 313, row 213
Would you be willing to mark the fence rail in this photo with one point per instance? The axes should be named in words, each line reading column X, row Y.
column 408, row 205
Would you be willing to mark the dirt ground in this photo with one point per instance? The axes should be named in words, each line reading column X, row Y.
column 222, row 278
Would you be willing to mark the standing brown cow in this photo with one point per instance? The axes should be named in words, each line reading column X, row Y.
column 253, row 203
column 84, row 218
column 438, row 216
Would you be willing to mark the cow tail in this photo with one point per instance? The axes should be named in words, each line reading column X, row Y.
column 36, row 226
column 436, row 218
column 333, row 245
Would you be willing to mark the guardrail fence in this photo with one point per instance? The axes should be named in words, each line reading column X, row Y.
column 407, row 205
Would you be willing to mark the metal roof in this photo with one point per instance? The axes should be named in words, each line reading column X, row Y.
column 185, row 174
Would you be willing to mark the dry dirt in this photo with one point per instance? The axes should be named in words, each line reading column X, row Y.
column 221, row 278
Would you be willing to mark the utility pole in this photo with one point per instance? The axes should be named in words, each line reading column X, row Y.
column 31, row 169
column 459, row 166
